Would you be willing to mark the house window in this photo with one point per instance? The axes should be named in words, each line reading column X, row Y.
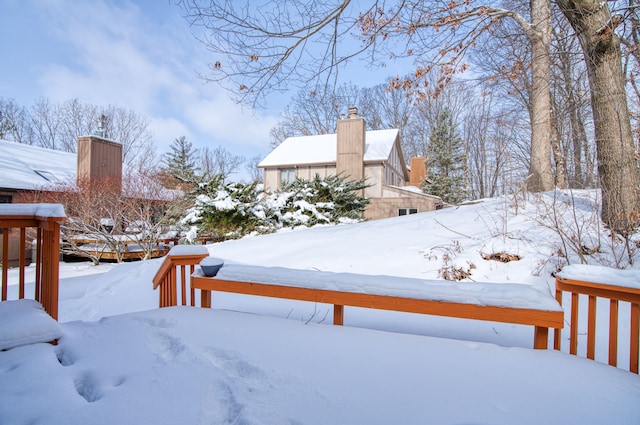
column 405, row 211
column 287, row 175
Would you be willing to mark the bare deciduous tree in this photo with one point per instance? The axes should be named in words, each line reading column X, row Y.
column 255, row 173
column 266, row 47
column 14, row 122
column 45, row 122
column 104, row 220
column 57, row 126
column 570, row 104
column 487, row 148
column 595, row 27
column 311, row 113
column 219, row 162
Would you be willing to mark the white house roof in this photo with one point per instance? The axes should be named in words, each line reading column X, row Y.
column 30, row 167
column 322, row 149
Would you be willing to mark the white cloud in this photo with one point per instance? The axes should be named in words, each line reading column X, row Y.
column 112, row 58
column 167, row 130
column 116, row 54
column 223, row 119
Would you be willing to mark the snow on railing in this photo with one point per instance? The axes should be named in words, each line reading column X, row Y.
column 166, row 278
column 623, row 286
column 17, row 221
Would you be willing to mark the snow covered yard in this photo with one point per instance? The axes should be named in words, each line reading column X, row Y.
column 185, row 365
column 252, row 360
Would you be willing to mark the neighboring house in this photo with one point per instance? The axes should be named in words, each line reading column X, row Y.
column 355, row 153
column 26, row 168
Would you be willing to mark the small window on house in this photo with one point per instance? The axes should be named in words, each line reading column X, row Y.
column 287, row 175
column 405, row 211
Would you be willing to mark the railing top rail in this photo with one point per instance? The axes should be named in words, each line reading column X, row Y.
column 26, row 212
column 622, row 285
column 601, row 275
column 613, row 292
column 179, row 255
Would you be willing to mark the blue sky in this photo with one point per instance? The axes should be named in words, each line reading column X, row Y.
column 135, row 54
column 139, row 55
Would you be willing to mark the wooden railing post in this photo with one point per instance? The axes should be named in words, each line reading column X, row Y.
column 557, row 333
column 45, row 219
column 540, row 337
column 635, row 337
column 5, row 262
column 166, row 278
column 338, row 314
column 613, row 333
column 22, row 261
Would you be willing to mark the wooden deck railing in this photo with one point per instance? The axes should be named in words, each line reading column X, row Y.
column 173, row 272
column 185, row 257
column 593, row 290
column 44, row 221
column 541, row 317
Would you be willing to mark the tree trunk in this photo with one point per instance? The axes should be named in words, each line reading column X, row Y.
column 579, row 140
column 617, row 166
column 558, row 156
column 540, row 171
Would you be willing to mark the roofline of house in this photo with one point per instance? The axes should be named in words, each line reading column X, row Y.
column 315, row 164
column 404, row 189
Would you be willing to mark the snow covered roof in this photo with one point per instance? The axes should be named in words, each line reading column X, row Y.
column 30, row 167
column 322, row 149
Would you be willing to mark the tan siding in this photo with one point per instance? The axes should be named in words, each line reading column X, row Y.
column 271, row 179
column 384, row 207
column 373, row 173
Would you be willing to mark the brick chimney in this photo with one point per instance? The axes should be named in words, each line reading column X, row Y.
column 99, row 160
column 350, row 146
column 418, row 171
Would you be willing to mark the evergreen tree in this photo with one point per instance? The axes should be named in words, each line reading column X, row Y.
column 446, row 161
column 329, row 200
column 180, row 162
column 232, row 210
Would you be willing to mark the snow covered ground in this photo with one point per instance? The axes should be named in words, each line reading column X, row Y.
column 251, row 360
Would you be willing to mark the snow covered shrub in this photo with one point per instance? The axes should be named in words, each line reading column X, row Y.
column 227, row 210
column 329, row 200
column 232, row 210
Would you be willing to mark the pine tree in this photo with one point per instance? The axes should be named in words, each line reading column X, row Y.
column 446, row 161
column 180, row 162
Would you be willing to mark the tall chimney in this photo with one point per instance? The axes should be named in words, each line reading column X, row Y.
column 418, row 171
column 350, row 146
column 99, row 161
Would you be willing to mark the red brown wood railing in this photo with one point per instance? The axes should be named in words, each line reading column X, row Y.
column 615, row 294
column 540, row 318
column 175, row 265
column 188, row 256
column 44, row 220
